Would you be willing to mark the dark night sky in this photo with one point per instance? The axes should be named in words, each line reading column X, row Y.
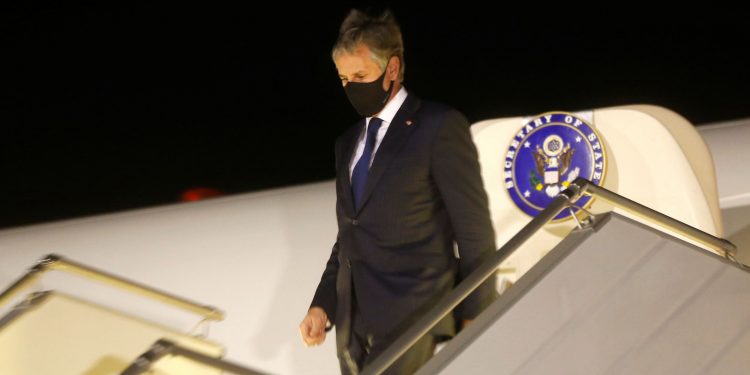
column 108, row 109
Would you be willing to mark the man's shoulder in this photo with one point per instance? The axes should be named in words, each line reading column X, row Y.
column 435, row 108
column 438, row 114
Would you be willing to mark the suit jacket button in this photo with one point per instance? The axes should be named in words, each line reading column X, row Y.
column 355, row 222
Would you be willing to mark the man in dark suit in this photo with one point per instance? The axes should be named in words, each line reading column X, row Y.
column 408, row 186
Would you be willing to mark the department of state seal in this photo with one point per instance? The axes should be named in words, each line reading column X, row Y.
column 546, row 155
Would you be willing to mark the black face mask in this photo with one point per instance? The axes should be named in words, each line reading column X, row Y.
column 368, row 98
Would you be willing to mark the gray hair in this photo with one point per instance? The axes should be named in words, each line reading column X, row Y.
column 381, row 34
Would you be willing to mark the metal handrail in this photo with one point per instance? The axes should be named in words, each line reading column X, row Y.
column 163, row 348
column 565, row 199
column 719, row 245
column 56, row 262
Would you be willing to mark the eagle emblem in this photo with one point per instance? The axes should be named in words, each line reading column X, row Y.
column 552, row 161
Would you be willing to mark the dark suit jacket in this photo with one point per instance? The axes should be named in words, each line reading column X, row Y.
column 423, row 192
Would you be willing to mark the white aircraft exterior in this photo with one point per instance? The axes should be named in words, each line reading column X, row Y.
column 259, row 256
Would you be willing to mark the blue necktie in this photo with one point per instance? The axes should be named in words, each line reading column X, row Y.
column 359, row 175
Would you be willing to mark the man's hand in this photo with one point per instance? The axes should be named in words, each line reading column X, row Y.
column 313, row 327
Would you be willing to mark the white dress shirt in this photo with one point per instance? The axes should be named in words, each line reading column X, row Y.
column 387, row 114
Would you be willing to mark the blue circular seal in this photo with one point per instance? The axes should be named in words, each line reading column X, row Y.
column 546, row 155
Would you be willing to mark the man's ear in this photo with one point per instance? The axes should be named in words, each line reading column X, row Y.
column 394, row 66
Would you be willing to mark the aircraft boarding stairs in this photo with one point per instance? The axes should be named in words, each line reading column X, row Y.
column 616, row 296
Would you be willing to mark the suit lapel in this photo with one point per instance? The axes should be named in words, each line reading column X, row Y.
column 343, row 175
column 395, row 138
